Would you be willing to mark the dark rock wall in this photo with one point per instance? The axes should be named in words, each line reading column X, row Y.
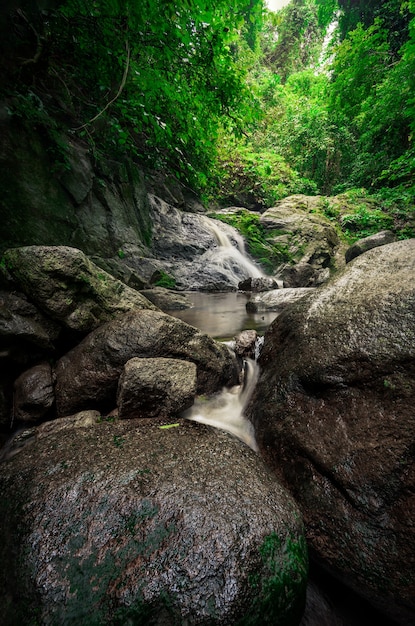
column 58, row 194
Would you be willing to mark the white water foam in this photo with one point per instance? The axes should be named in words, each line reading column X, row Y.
column 231, row 259
column 225, row 410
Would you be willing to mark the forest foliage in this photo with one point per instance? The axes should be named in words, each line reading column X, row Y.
column 241, row 104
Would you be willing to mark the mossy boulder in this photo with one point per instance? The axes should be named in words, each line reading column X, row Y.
column 132, row 523
column 305, row 236
column 66, row 285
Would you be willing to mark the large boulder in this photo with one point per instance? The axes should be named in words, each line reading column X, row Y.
column 308, row 239
column 87, row 376
column 66, row 285
column 130, row 523
column 166, row 299
column 155, row 387
column 258, row 285
column 333, row 415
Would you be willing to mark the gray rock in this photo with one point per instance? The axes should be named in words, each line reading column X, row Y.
column 245, row 344
column 276, row 300
column 374, row 241
column 166, row 299
column 257, row 285
column 97, row 208
column 127, row 522
column 308, row 238
column 33, row 393
column 122, row 271
column 78, row 178
column 66, row 285
column 155, row 388
column 87, row 376
column 177, row 234
column 303, row 275
column 333, row 415
column 201, row 254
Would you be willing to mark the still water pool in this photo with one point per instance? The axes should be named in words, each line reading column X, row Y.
column 223, row 315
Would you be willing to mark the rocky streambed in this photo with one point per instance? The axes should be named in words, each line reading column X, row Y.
column 115, row 509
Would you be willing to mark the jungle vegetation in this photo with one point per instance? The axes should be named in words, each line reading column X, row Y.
column 235, row 101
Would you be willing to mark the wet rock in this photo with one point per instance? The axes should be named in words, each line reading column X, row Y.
column 155, row 388
column 276, row 300
column 333, row 415
column 24, row 329
column 127, row 522
column 34, row 393
column 87, row 376
column 256, row 285
column 308, row 239
column 245, row 344
column 374, row 241
column 166, row 299
column 177, row 234
column 66, row 285
column 303, row 275
column 122, row 271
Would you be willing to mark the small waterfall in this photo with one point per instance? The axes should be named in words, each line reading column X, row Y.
column 230, row 259
column 225, row 410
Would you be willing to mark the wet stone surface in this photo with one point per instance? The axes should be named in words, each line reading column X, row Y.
column 130, row 522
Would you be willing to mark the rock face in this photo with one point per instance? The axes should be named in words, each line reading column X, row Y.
column 374, row 241
column 87, row 376
column 65, row 284
column 142, row 525
column 333, row 414
column 201, row 253
column 62, row 199
column 308, row 239
column 156, row 387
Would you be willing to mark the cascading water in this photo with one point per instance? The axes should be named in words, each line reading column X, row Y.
column 225, row 410
column 231, row 260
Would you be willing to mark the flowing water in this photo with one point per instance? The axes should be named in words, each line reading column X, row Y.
column 223, row 316
column 226, row 409
column 228, row 255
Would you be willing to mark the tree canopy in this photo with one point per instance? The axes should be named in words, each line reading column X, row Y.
column 229, row 97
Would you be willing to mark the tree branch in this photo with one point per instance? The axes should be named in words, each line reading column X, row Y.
column 117, row 95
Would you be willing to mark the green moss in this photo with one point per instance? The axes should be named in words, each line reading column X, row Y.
column 280, row 587
column 268, row 253
column 165, row 280
column 94, row 578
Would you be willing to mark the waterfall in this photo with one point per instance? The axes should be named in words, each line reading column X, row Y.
column 325, row 61
column 225, row 410
column 230, row 259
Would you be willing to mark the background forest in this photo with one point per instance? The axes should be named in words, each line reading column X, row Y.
column 242, row 105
